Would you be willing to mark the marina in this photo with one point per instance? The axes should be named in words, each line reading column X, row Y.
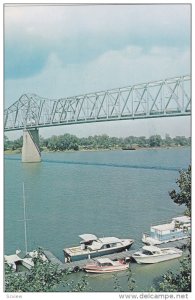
column 124, row 255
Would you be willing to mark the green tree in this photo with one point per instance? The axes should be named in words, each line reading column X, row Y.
column 181, row 141
column 43, row 277
column 17, row 144
column 155, row 141
column 141, row 141
column 183, row 196
column 6, row 143
column 181, row 281
column 168, row 140
column 81, row 286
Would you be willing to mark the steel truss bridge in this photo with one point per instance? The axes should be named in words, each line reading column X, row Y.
column 162, row 98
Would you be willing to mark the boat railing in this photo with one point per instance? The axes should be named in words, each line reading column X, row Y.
column 168, row 221
column 146, row 234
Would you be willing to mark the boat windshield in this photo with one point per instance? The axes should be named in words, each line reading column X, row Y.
column 106, row 264
column 146, row 252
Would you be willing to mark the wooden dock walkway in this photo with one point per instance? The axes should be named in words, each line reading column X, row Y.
column 78, row 265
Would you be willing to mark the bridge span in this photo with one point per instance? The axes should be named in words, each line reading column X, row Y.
column 163, row 98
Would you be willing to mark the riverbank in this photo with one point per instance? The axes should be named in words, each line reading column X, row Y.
column 45, row 150
column 9, row 151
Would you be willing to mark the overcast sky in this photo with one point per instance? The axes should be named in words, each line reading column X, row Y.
column 60, row 51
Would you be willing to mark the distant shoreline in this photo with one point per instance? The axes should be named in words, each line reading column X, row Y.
column 19, row 151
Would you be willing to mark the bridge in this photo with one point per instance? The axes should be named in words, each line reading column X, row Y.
column 163, row 98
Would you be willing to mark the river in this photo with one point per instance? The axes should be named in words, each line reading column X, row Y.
column 107, row 193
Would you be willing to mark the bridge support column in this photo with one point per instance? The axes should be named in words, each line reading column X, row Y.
column 30, row 149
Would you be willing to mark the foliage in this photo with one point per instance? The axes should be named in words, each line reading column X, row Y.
column 43, row 277
column 130, row 282
column 117, row 286
column 183, row 196
column 13, row 145
column 72, row 142
column 81, row 286
column 179, row 282
column 155, row 141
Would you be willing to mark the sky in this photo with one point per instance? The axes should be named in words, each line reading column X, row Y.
column 58, row 51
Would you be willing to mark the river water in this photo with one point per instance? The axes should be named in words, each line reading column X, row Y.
column 108, row 193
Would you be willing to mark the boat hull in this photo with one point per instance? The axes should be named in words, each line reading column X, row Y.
column 106, row 269
column 152, row 241
column 155, row 259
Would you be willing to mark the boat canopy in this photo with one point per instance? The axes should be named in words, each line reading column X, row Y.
column 95, row 246
column 103, row 241
column 164, row 227
column 151, row 248
column 104, row 260
column 88, row 237
column 182, row 219
column 109, row 240
column 11, row 259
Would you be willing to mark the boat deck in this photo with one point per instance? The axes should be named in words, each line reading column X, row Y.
column 78, row 265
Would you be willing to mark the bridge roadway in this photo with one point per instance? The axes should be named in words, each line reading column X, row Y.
column 78, row 265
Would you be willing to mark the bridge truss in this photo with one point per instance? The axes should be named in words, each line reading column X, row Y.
column 163, row 98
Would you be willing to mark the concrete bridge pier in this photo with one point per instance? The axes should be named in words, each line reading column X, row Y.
column 30, row 149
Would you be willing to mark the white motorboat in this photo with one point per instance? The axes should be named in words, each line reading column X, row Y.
column 24, row 259
column 91, row 247
column 19, row 258
column 179, row 228
column 153, row 254
column 105, row 265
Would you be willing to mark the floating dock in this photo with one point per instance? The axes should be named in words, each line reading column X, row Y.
column 78, row 265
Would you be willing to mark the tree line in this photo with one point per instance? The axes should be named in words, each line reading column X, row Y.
column 72, row 142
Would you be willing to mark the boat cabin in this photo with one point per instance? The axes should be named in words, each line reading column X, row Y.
column 178, row 228
column 105, row 262
column 91, row 242
column 150, row 250
column 105, row 243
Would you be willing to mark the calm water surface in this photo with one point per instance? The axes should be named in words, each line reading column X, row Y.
column 110, row 193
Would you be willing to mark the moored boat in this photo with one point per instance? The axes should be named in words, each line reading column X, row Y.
column 153, row 254
column 179, row 228
column 105, row 265
column 91, row 246
column 21, row 258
